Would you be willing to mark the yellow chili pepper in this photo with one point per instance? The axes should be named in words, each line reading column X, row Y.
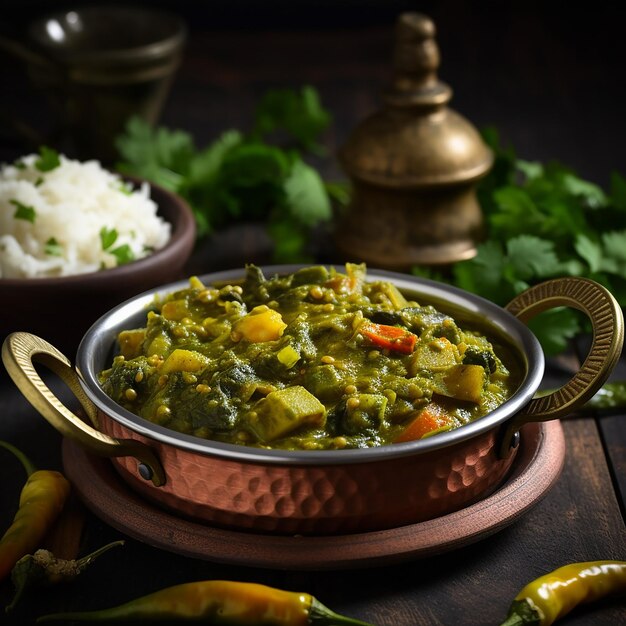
column 41, row 500
column 552, row 596
column 220, row 602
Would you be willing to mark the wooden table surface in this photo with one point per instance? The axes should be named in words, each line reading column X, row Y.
column 552, row 90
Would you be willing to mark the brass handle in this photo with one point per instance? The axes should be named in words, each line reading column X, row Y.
column 20, row 351
column 607, row 321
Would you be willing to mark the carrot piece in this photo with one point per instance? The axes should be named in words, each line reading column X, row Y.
column 430, row 419
column 392, row 338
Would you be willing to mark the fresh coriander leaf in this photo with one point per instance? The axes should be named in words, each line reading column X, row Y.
column 123, row 254
column 249, row 164
column 205, row 166
column 289, row 242
column 592, row 195
column 159, row 155
column 203, row 187
column 19, row 164
column 614, row 244
column 307, row 200
column 530, row 169
column 606, row 256
column 564, row 217
column 566, row 184
column 141, row 143
column 108, row 236
column 555, row 328
column 585, row 229
column 125, row 188
column 590, row 251
column 48, row 160
column 516, row 214
column 572, row 267
column 532, row 257
column 53, row 247
column 151, row 171
column 23, row 211
column 240, row 176
column 251, row 180
column 483, row 274
column 39, row 181
column 300, row 114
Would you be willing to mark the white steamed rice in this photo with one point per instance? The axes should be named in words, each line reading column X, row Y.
column 72, row 203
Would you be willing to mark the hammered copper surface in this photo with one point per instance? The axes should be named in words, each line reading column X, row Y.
column 535, row 470
column 309, row 499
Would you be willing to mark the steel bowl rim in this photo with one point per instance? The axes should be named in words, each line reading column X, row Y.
column 98, row 342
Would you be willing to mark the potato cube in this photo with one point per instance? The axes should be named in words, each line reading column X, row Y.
column 261, row 324
column 131, row 342
column 184, row 361
column 463, row 382
column 435, row 355
column 283, row 411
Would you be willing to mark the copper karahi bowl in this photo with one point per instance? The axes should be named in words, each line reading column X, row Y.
column 321, row 492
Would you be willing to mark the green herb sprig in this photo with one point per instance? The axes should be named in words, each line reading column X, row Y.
column 261, row 175
column 48, row 160
column 544, row 221
column 123, row 254
column 23, row 211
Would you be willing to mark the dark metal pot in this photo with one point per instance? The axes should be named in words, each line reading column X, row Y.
column 330, row 491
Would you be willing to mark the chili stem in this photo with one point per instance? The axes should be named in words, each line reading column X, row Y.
column 29, row 467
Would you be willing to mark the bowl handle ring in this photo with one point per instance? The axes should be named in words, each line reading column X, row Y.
column 20, row 351
column 607, row 321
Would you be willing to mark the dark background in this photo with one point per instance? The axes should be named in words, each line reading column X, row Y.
column 548, row 75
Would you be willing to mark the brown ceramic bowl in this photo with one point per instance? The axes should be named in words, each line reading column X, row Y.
column 63, row 308
column 330, row 491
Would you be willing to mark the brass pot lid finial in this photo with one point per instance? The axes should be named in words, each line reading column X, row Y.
column 416, row 61
column 413, row 165
column 416, row 140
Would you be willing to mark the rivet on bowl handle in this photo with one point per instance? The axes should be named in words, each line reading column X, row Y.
column 20, row 351
column 607, row 321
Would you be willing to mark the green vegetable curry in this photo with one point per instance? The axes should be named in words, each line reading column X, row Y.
column 318, row 359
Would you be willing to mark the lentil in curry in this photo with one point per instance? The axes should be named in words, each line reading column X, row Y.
column 318, row 359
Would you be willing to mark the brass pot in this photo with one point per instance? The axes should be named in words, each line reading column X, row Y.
column 413, row 166
column 330, row 491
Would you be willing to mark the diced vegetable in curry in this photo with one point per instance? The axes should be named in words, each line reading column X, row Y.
column 318, row 359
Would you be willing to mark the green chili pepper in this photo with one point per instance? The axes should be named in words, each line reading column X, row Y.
column 220, row 602
column 41, row 500
column 43, row 568
column 548, row 598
